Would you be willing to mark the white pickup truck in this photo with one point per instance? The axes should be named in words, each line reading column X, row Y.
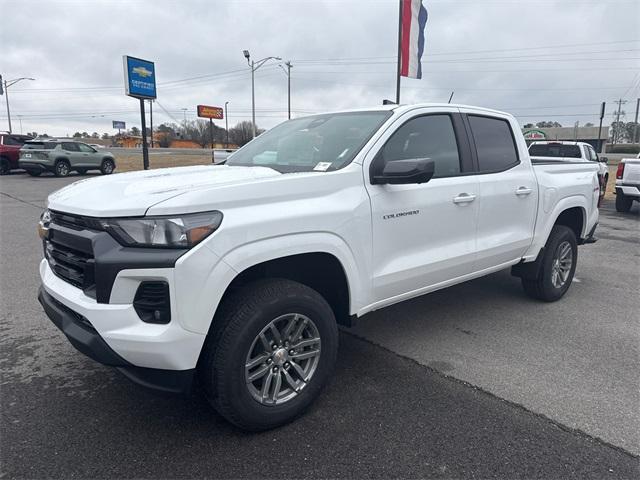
column 567, row 151
column 239, row 274
column 627, row 183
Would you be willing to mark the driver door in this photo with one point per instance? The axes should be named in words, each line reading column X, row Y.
column 424, row 235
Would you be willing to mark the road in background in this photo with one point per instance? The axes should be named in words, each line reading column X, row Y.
column 390, row 411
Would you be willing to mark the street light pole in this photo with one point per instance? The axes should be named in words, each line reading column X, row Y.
column 255, row 66
column 226, row 123
column 7, row 84
column 288, row 72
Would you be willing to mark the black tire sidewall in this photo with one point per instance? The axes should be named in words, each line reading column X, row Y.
column 103, row 170
column 4, row 166
column 559, row 234
column 623, row 203
column 230, row 359
column 34, row 173
column 57, row 171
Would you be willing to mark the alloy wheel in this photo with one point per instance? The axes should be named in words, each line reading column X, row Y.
column 561, row 266
column 282, row 359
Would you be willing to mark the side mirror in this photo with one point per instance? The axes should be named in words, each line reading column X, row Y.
column 604, row 160
column 405, row 172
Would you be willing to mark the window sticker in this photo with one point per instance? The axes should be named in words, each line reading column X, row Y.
column 322, row 166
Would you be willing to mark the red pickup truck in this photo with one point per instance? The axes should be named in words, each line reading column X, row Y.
column 10, row 145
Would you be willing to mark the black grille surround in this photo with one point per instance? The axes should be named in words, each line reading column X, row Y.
column 82, row 254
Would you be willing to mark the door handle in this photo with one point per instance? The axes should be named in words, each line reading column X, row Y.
column 523, row 191
column 464, row 198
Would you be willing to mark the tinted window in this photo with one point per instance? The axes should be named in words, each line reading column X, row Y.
column 39, row 146
column 495, row 144
column 556, row 150
column 85, row 148
column 592, row 153
column 70, row 147
column 431, row 136
column 17, row 141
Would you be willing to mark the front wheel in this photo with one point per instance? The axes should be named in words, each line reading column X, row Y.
column 559, row 262
column 107, row 167
column 623, row 203
column 271, row 350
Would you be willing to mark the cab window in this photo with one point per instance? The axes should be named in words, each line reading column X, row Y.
column 495, row 144
column 85, row 148
column 70, row 147
column 429, row 136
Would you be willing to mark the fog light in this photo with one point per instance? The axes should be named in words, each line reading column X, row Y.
column 152, row 302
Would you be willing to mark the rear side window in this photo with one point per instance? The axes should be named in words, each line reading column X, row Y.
column 430, row 136
column 495, row 144
column 39, row 146
column 70, row 147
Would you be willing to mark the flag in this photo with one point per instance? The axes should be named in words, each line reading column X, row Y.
column 413, row 21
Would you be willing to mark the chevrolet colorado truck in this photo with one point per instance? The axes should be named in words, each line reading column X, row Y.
column 237, row 275
column 627, row 183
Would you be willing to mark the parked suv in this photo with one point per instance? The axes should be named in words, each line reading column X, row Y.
column 10, row 145
column 62, row 157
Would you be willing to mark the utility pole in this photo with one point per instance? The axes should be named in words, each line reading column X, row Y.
column 226, row 123
column 620, row 102
column 635, row 131
column 288, row 64
column 7, row 84
column 184, row 121
column 602, row 108
column 399, row 66
column 151, row 119
column 255, row 66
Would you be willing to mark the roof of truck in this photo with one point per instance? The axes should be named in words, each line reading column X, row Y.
column 410, row 106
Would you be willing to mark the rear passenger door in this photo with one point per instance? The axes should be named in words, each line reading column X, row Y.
column 508, row 198
column 72, row 152
column 89, row 156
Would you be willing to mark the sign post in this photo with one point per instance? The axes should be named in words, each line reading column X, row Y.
column 602, row 108
column 140, row 83
column 207, row 111
column 118, row 125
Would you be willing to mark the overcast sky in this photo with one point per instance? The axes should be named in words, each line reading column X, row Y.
column 540, row 60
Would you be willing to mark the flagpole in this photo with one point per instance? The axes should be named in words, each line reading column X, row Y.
column 399, row 69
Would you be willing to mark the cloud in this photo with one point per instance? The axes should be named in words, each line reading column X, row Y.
column 485, row 51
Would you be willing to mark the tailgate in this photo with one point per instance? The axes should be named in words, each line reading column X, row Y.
column 631, row 171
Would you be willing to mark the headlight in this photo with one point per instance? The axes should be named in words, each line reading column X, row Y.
column 182, row 231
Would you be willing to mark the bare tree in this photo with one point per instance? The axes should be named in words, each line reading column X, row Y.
column 241, row 133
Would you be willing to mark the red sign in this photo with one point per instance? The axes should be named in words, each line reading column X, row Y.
column 206, row 111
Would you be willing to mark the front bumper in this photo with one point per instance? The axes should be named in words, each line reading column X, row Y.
column 162, row 357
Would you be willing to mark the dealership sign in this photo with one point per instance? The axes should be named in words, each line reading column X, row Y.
column 535, row 135
column 206, row 111
column 117, row 125
column 139, row 77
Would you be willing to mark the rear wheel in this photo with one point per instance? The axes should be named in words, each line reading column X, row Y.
column 623, row 203
column 4, row 166
column 558, row 266
column 107, row 166
column 34, row 173
column 62, row 168
column 271, row 351
column 603, row 187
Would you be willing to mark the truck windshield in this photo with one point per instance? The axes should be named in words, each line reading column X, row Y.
column 319, row 142
column 555, row 150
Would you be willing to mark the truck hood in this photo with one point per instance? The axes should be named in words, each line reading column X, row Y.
column 133, row 193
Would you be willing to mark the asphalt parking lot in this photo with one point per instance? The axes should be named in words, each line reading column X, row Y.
column 474, row 381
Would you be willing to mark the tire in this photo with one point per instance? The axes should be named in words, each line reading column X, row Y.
column 603, row 187
column 234, row 340
column 623, row 203
column 4, row 166
column 82, row 171
column 34, row 173
column 554, row 279
column 62, row 168
column 107, row 167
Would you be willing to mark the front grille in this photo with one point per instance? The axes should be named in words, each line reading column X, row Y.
column 75, row 222
column 71, row 265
